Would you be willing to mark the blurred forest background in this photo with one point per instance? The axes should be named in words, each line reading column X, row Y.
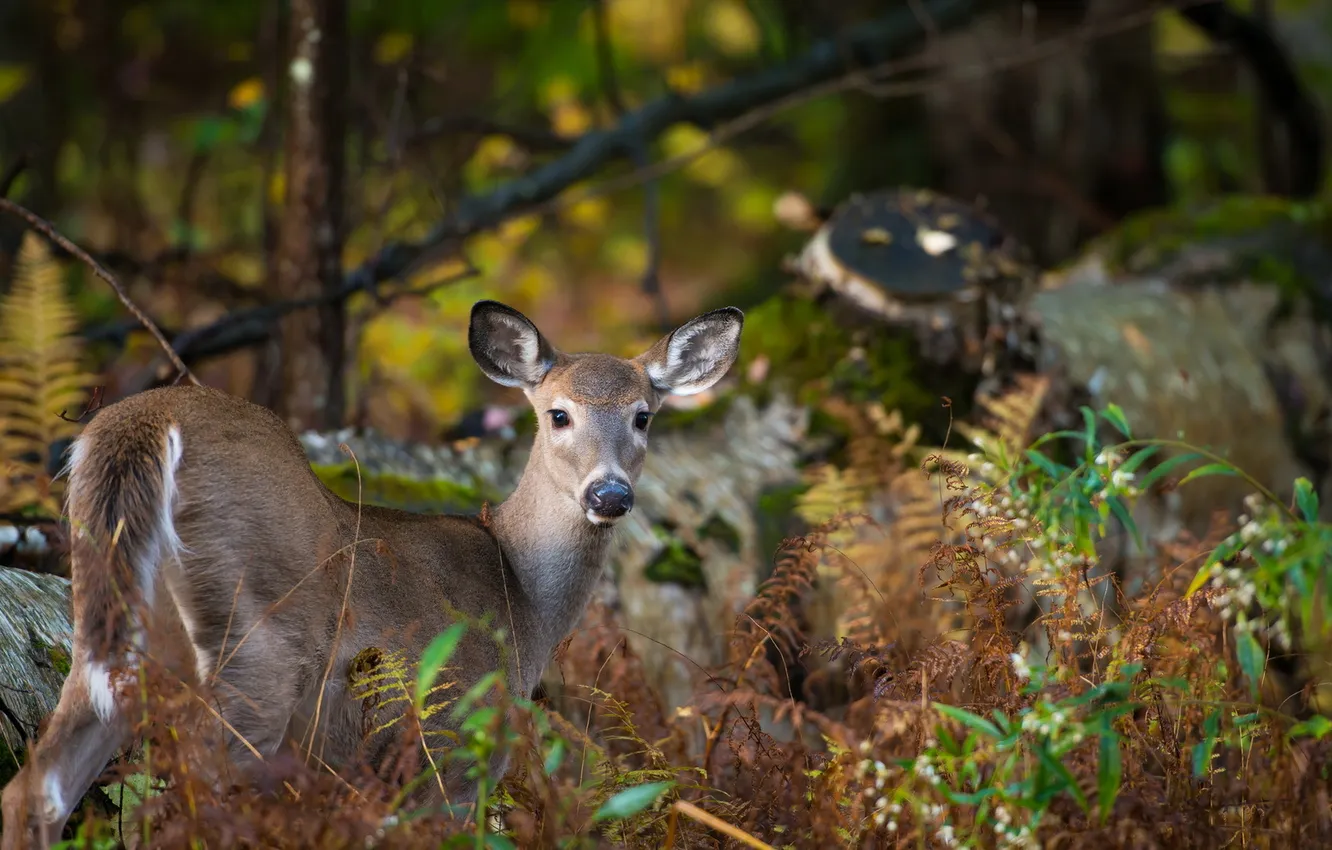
column 311, row 219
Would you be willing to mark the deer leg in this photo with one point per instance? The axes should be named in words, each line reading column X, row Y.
column 89, row 725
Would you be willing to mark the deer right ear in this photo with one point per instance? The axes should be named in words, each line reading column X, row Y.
column 507, row 346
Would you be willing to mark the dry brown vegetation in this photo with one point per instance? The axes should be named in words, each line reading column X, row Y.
column 922, row 713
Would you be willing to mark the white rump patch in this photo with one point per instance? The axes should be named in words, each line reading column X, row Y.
column 101, row 692
column 53, row 798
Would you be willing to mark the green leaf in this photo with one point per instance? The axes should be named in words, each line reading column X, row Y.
column 1251, row 659
column 1046, row 465
column 500, row 841
column 970, row 799
column 1164, row 468
column 974, row 721
column 1209, row 469
column 1118, row 508
column 1316, row 727
column 555, row 757
column 1115, row 416
column 1109, row 772
column 1306, row 499
column 1089, row 429
column 631, row 801
column 1137, row 459
column 1199, row 578
column 474, row 693
column 1069, row 783
column 1202, row 751
column 434, row 658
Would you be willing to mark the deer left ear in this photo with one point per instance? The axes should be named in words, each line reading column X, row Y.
column 697, row 354
column 508, row 347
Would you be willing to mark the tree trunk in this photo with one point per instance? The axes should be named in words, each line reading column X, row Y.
column 309, row 253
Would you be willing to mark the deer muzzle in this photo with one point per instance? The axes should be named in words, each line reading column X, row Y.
column 608, row 499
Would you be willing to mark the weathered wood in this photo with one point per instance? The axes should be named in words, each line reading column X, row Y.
column 35, row 635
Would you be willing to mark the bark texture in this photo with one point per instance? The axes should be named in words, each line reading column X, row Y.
column 309, row 252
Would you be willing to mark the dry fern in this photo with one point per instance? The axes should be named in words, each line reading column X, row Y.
column 40, row 378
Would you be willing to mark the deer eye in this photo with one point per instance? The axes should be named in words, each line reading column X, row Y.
column 559, row 419
column 642, row 419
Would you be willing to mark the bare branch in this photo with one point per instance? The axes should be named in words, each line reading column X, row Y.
column 865, row 46
column 48, row 230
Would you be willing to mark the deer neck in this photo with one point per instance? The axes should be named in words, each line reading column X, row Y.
column 555, row 552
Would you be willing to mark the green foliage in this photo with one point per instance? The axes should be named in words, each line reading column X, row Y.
column 824, row 358
column 631, row 801
column 677, row 562
column 1005, row 773
column 436, row 655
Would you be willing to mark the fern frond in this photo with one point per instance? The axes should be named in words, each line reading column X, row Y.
column 40, row 377
column 1012, row 415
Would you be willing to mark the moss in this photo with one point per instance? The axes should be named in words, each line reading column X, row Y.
column 676, row 563
column 721, row 531
column 814, row 354
column 434, row 495
column 59, row 659
column 1255, row 226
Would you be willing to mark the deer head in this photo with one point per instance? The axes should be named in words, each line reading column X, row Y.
column 594, row 410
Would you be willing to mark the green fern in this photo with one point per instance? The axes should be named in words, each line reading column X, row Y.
column 40, row 377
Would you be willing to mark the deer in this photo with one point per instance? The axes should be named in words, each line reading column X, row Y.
column 202, row 509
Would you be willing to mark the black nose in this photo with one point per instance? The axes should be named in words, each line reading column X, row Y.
column 609, row 497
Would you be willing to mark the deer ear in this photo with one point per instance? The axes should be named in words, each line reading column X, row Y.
column 507, row 346
column 695, row 355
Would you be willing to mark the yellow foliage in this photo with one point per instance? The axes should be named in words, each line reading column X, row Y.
column 687, row 77
column 731, row 27
column 40, row 377
column 492, row 153
column 751, row 206
column 525, row 14
column 277, row 188
column 627, row 254
column 716, row 167
column 12, row 79
column 244, row 268
column 655, row 29
column 590, row 213
column 246, row 93
column 392, row 47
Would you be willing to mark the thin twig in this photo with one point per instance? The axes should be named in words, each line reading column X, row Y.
column 48, row 230
column 710, row 820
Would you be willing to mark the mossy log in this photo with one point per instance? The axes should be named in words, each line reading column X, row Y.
column 35, row 636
